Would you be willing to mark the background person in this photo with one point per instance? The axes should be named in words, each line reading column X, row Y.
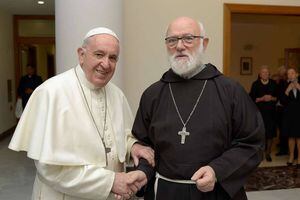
column 264, row 93
column 28, row 83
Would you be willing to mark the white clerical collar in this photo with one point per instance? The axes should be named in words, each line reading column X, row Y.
column 83, row 79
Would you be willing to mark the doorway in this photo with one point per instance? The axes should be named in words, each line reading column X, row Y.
column 34, row 44
column 230, row 9
column 287, row 56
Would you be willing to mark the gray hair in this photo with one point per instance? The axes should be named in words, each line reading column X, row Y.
column 202, row 30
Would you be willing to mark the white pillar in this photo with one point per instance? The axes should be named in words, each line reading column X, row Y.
column 74, row 18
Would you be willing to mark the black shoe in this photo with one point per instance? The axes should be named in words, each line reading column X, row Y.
column 289, row 163
column 268, row 158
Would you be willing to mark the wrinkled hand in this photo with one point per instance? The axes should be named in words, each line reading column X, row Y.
column 137, row 178
column 135, row 181
column 120, row 185
column 205, row 179
column 139, row 151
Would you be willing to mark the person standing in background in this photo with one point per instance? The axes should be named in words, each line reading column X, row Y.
column 28, row 83
column 290, row 99
column 264, row 94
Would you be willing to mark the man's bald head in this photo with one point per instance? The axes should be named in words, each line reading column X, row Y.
column 185, row 24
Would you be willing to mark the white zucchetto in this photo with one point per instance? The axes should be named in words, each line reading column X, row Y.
column 100, row 30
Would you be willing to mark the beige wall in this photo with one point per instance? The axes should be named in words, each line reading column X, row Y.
column 42, row 52
column 144, row 24
column 7, row 119
column 144, row 29
column 268, row 42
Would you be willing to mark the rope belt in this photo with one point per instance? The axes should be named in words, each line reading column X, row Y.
column 158, row 176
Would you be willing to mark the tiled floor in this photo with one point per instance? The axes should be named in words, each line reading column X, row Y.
column 17, row 175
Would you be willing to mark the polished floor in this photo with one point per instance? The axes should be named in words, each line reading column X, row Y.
column 17, row 175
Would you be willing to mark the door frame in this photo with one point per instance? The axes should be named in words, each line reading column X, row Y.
column 18, row 41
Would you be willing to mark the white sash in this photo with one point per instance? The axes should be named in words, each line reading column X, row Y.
column 158, row 176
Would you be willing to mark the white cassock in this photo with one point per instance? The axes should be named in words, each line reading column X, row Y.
column 57, row 131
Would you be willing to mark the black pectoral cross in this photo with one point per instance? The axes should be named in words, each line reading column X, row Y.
column 183, row 134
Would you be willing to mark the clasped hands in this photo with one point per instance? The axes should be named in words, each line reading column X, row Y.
column 127, row 184
column 264, row 98
column 292, row 85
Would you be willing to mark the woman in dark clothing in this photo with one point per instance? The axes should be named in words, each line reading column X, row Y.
column 264, row 94
column 290, row 98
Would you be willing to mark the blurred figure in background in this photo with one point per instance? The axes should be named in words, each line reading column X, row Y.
column 280, row 78
column 264, row 94
column 28, row 83
column 290, row 99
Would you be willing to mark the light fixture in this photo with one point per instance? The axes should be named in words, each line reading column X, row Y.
column 41, row 2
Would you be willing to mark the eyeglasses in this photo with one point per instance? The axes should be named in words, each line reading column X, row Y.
column 186, row 39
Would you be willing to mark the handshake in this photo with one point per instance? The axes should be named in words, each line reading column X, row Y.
column 127, row 184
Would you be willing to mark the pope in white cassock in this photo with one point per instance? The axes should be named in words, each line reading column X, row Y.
column 77, row 128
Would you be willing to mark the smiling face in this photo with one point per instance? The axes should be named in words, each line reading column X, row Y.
column 98, row 58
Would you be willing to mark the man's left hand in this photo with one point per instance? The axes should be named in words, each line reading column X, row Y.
column 139, row 151
column 205, row 179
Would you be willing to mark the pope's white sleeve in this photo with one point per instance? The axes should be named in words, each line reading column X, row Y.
column 87, row 181
column 130, row 142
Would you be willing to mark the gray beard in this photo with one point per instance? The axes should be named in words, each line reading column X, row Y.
column 188, row 69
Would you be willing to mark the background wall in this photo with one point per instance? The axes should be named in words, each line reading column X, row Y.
column 7, row 119
column 42, row 52
column 143, row 32
column 264, row 39
column 145, row 23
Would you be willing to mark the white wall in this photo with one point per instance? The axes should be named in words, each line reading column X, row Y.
column 145, row 23
column 7, row 119
column 143, row 51
column 74, row 18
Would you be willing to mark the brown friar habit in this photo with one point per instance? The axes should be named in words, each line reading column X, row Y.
column 226, row 133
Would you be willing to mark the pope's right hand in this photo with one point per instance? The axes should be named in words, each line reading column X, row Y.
column 134, row 182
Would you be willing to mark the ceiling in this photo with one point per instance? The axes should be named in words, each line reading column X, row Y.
column 27, row 7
